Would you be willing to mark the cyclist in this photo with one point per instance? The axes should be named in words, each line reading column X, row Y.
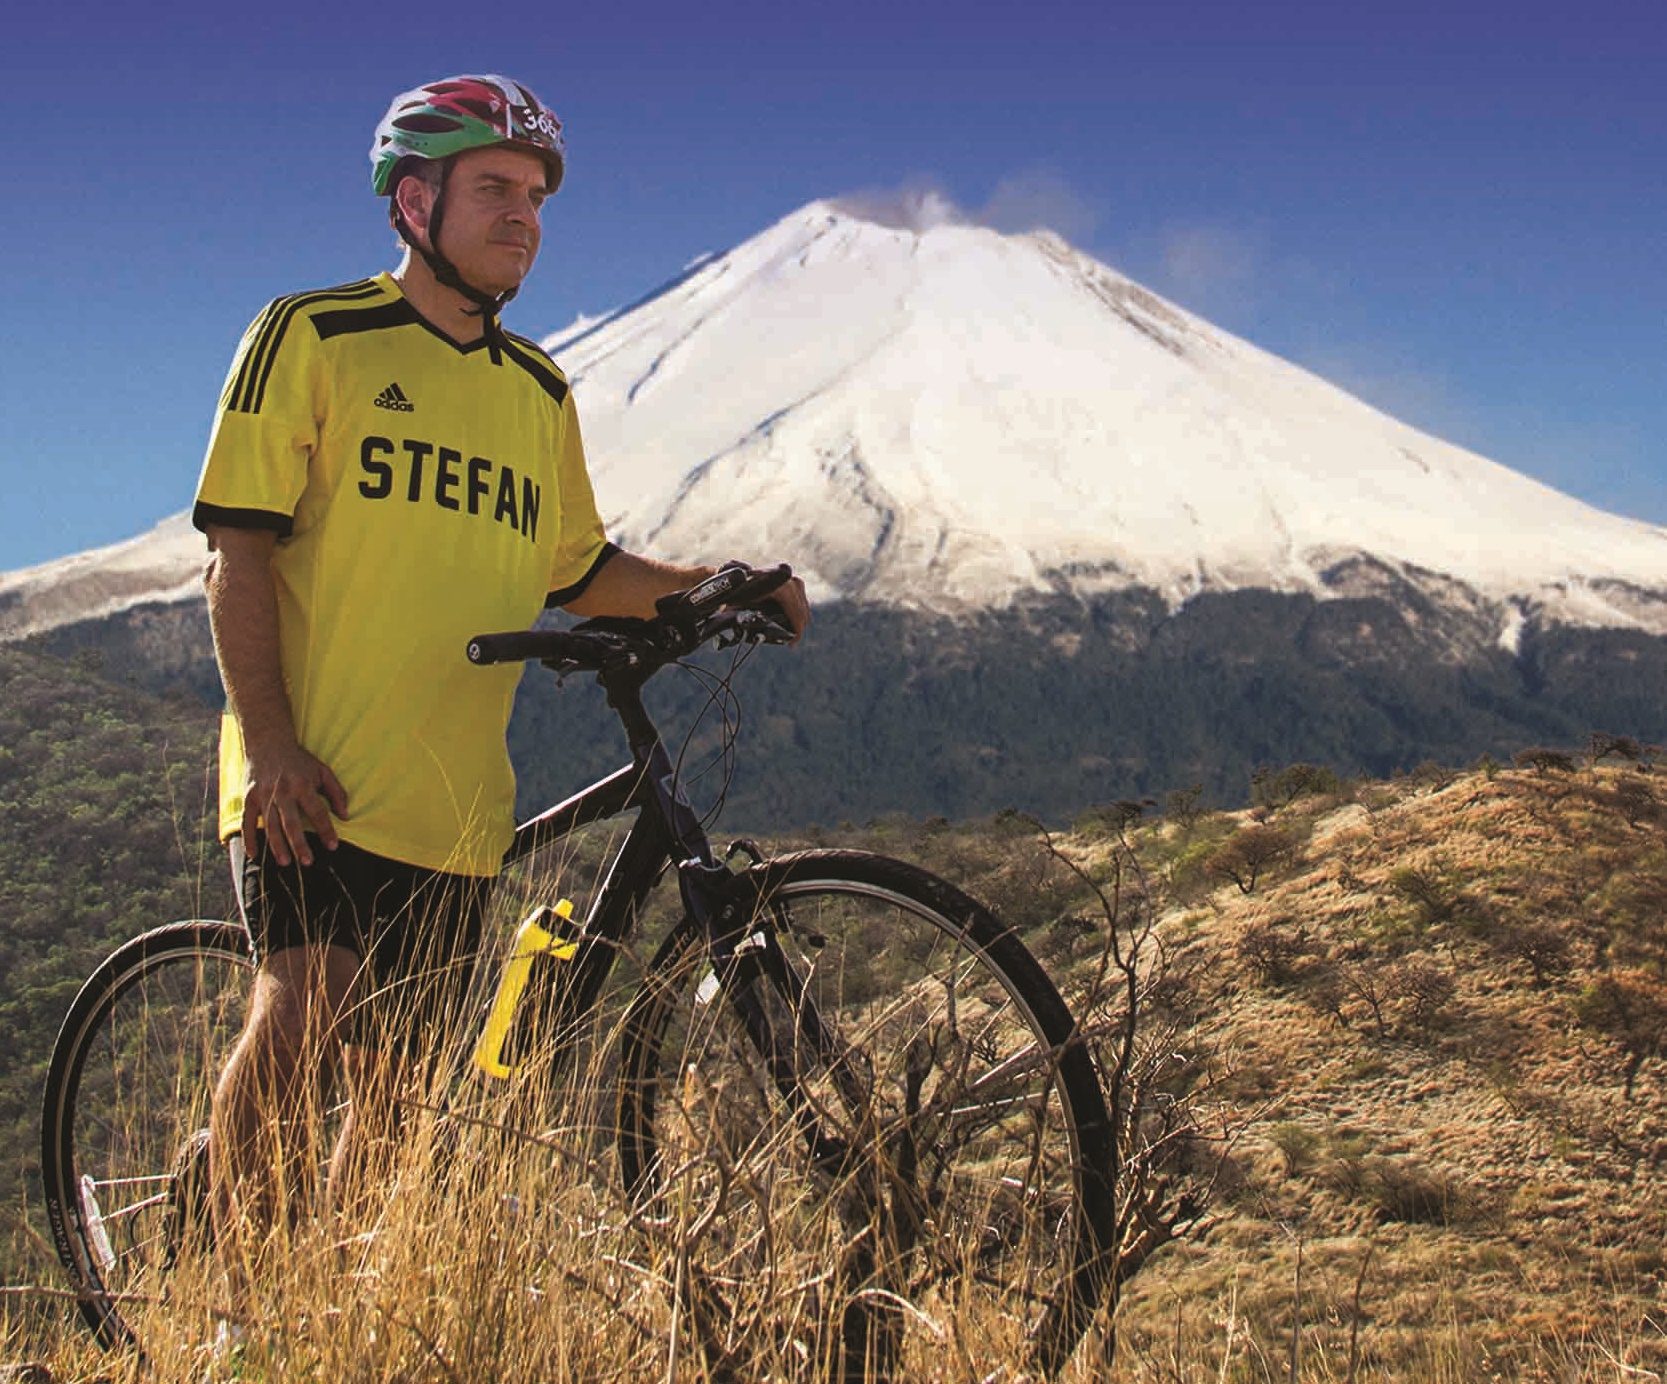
column 389, row 472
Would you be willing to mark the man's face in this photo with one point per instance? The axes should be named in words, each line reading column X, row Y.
column 491, row 227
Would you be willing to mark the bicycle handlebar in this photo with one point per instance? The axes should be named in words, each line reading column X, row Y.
column 685, row 621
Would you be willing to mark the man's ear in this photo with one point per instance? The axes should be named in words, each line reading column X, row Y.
column 415, row 200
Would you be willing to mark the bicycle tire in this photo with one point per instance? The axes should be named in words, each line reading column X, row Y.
column 125, row 1108
column 987, row 1190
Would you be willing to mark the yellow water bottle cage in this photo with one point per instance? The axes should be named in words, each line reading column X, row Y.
column 531, row 939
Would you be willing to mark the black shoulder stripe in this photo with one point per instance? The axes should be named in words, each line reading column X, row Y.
column 366, row 288
column 249, row 390
column 238, row 393
column 538, row 365
column 269, row 331
column 344, row 321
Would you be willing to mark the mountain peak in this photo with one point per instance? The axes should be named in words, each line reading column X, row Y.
column 920, row 410
column 918, row 210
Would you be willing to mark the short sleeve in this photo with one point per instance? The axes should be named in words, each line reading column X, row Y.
column 583, row 538
column 265, row 428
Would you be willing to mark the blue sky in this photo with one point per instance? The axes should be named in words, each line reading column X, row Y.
column 1457, row 211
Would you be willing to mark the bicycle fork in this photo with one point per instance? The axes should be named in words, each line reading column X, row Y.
column 748, row 964
column 743, row 933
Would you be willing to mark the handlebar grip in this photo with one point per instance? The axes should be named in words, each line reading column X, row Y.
column 515, row 646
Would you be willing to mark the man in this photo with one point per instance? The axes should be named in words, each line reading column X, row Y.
column 389, row 473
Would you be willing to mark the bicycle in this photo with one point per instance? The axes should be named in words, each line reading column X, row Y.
column 858, row 1035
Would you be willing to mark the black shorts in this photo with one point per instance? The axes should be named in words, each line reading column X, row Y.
column 415, row 931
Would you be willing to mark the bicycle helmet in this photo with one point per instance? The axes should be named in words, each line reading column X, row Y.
column 446, row 117
column 439, row 120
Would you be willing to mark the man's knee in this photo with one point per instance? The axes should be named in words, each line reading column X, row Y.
column 302, row 999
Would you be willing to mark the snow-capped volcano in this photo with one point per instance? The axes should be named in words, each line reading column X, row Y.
column 940, row 415
column 922, row 412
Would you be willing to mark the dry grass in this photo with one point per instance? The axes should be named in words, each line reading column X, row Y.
column 1474, row 1187
column 1444, row 1167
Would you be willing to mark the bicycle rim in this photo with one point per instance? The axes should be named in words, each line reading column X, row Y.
column 941, row 1173
column 123, row 1157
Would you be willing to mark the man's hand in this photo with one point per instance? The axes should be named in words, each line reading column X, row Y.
column 795, row 605
column 292, row 792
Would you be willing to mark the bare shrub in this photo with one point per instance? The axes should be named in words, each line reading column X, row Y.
column 1427, row 991
column 1115, row 818
column 1249, row 854
column 1324, row 991
column 1369, row 984
column 1431, row 777
column 1601, row 746
column 1184, row 806
column 1274, row 950
column 1545, row 762
column 1542, row 947
column 1634, row 798
column 1629, row 1008
column 1279, row 789
column 1398, row 997
column 1139, row 1013
column 1434, row 898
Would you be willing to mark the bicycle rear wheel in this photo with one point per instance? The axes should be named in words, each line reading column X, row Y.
column 917, row 1137
column 126, row 1110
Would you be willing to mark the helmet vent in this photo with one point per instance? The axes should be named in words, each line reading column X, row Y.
column 425, row 123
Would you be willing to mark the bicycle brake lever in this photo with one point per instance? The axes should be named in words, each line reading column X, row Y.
column 746, row 846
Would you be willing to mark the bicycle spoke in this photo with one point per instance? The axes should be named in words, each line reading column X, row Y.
column 127, row 1095
column 956, row 1183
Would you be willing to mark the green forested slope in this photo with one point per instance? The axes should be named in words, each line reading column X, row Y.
column 1055, row 704
column 105, row 831
column 1054, row 707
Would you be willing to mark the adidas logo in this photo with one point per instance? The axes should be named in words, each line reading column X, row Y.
column 394, row 397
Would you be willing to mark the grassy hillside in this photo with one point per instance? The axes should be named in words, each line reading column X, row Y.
column 1442, row 1012
column 1402, row 1065
column 1418, row 1029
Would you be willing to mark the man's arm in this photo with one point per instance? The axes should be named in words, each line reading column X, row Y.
column 291, row 789
column 629, row 584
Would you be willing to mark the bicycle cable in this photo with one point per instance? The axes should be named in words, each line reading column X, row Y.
column 720, row 694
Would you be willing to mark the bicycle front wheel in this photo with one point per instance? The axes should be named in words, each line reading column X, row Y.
column 126, row 1111
column 883, row 1126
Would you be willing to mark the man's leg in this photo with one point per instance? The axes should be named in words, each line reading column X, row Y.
column 418, row 965
column 377, row 1078
column 270, row 1097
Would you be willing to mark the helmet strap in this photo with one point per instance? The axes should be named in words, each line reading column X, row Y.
column 487, row 306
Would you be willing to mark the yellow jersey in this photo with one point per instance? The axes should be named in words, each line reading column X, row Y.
column 421, row 494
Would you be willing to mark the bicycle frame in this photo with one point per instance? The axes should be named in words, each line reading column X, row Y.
column 720, row 902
